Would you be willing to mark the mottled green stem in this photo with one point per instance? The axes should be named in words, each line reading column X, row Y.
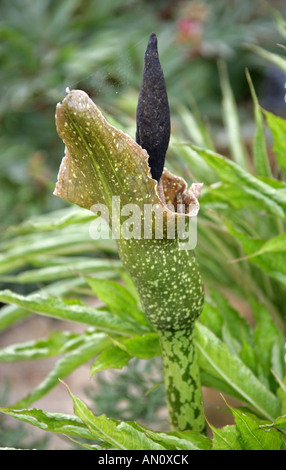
column 182, row 380
column 171, row 291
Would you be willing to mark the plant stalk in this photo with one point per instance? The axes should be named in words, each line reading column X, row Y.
column 182, row 380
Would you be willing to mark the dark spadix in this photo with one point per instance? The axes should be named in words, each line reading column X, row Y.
column 153, row 115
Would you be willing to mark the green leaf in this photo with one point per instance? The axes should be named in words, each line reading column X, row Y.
column 247, row 355
column 210, row 381
column 225, row 438
column 121, row 435
column 279, row 423
column 58, row 423
column 144, row 346
column 181, row 440
column 212, row 318
column 199, row 440
column 10, row 314
column 267, row 339
column 274, row 245
column 67, row 269
column 281, row 392
column 129, row 284
column 277, row 126
column 254, row 437
column 55, row 220
column 113, row 358
column 23, row 250
column 57, row 308
column 231, row 118
column 231, row 173
column 270, row 260
column 216, row 360
column 275, row 59
column 141, row 346
column 117, row 298
column 280, row 22
column 194, row 125
column 57, row 343
column 238, row 197
column 93, row 345
column 234, row 323
column 260, row 155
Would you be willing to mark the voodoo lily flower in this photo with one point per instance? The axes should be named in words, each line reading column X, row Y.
column 106, row 171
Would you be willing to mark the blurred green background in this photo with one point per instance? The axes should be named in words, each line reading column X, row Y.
column 98, row 46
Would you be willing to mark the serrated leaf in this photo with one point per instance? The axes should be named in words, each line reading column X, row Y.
column 141, row 346
column 93, row 345
column 230, row 172
column 57, row 343
column 121, row 435
column 57, row 308
column 117, row 298
column 271, row 262
column 71, row 268
column 238, row 197
column 10, row 314
column 58, row 423
column 144, row 346
column 22, row 251
column 216, row 360
column 181, row 440
column 55, row 220
column 254, row 437
column 225, row 438
column 113, row 358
